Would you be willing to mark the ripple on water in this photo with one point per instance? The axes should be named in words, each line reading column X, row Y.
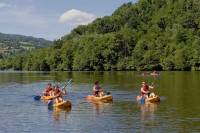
column 176, row 113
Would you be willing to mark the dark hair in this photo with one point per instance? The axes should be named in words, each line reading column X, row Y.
column 96, row 82
column 56, row 86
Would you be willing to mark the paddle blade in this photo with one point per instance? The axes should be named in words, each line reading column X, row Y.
column 50, row 104
column 37, row 98
column 107, row 93
column 142, row 100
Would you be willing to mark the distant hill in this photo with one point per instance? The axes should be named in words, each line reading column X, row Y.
column 11, row 44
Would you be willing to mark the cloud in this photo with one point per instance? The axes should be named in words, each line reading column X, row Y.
column 3, row 5
column 76, row 17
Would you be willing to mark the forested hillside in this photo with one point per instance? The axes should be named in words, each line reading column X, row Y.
column 147, row 35
column 12, row 44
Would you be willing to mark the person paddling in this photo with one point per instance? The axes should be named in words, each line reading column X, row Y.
column 145, row 89
column 48, row 89
column 155, row 73
column 97, row 90
column 59, row 94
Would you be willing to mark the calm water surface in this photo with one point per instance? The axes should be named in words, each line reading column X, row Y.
column 179, row 110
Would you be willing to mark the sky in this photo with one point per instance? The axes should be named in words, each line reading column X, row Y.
column 51, row 19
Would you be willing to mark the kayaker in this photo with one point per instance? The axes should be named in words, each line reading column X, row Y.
column 145, row 73
column 97, row 90
column 59, row 94
column 145, row 89
column 155, row 73
column 48, row 89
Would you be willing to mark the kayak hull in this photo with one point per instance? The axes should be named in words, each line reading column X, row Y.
column 63, row 105
column 154, row 74
column 154, row 99
column 106, row 98
column 47, row 97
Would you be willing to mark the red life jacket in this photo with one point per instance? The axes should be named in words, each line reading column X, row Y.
column 48, row 89
column 145, row 88
column 58, row 92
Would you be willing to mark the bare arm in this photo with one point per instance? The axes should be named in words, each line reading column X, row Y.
column 142, row 90
column 151, row 87
column 94, row 89
column 44, row 91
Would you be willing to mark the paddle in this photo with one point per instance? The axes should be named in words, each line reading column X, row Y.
column 50, row 104
column 37, row 98
column 68, row 83
column 64, row 88
column 142, row 100
column 107, row 93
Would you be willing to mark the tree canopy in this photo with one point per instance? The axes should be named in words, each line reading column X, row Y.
column 147, row 35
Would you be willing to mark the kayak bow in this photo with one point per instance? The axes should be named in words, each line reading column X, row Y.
column 106, row 98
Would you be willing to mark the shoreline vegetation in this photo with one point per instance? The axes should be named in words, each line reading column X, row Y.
column 24, row 71
column 144, row 36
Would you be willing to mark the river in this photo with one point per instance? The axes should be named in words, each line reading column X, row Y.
column 178, row 111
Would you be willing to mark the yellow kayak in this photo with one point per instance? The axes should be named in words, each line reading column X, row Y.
column 63, row 105
column 106, row 98
column 47, row 97
column 153, row 99
column 154, row 74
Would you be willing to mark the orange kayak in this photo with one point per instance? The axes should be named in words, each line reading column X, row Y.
column 153, row 99
column 63, row 105
column 47, row 97
column 106, row 98
column 154, row 74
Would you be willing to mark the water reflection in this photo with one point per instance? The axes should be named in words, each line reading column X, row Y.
column 148, row 112
column 178, row 111
column 60, row 114
column 148, row 116
column 98, row 106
